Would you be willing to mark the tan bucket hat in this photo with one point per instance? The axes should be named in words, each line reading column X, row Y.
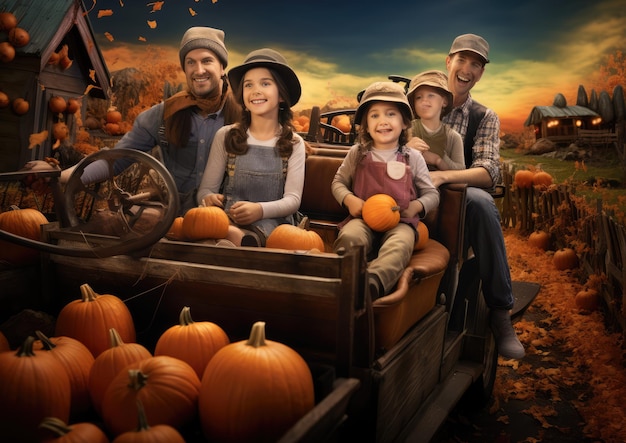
column 435, row 79
column 268, row 58
column 384, row 92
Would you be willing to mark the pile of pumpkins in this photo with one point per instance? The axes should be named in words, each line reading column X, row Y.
column 380, row 212
column 250, row 390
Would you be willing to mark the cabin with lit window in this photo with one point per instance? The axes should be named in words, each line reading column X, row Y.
column 562, row 124
column 60, row 58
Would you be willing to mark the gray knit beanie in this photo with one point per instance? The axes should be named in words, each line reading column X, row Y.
column 203, row 37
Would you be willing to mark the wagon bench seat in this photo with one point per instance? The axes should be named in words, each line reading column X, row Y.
column 416, row 292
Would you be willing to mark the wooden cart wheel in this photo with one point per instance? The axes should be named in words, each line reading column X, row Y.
column 136, row 206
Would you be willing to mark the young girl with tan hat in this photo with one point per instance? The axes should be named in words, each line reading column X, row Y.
column 431, row 100
column 256, row 166
column 381, row 163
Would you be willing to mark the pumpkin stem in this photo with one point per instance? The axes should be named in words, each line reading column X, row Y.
column 185, row 316
column 257, row 335
column 142, row 420
column 56, row 425
column 87, row 293
column 137, row 379
column 114, row 338
column 26, row 349
column 395, row 208
column 304, row 223
column 45, row 341
column 14, row 208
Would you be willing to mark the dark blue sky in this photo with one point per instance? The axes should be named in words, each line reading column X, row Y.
column 343, row 45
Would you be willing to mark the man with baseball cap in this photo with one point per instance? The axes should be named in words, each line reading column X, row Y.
column 480, row 129
column 183, row 126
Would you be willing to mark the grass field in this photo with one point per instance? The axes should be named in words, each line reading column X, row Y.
column 602, row 176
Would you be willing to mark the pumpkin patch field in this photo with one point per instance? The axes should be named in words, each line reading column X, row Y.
column 571, row 384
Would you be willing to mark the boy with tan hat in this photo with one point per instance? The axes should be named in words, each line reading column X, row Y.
column 430, row 100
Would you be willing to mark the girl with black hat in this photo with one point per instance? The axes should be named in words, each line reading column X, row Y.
column 256, row 166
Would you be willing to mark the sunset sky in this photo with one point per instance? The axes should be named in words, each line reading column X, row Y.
column 538, row 47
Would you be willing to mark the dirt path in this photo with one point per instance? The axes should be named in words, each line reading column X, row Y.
column 571, row 384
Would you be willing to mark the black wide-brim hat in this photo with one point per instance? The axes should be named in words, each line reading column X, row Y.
column 271, row 59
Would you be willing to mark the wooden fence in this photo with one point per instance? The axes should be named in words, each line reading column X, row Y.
column 596, row 234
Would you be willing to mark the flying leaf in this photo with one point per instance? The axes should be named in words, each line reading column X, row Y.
column 156, row 6
column 142, row 39
column 92, row 75
column 152, row 24
column 192, row 12
column 105, row 13
column 37, row 139
column 109, row 36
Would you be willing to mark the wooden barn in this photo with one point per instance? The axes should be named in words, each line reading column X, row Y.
column 562, row 124
column 60, row 59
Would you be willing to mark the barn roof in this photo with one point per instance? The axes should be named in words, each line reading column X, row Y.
column 539, row 113
column 48, row 22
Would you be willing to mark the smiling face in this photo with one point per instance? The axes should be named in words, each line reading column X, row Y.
column 260, row 92
column 428, row 103
column 464, row 70
column 385, row 124
column 204, row 72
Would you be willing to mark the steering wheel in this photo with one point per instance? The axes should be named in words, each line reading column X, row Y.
column 124, row 213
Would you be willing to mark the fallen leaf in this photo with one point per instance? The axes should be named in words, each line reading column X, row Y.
column 37, row 139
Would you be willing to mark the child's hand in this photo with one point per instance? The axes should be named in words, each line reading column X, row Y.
column 418, row 143
column 354, row 205
column 415, row 207
column 245, row 213
column 214, row 200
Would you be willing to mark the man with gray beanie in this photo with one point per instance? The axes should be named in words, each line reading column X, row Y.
column 183, row 126
column 480, row 129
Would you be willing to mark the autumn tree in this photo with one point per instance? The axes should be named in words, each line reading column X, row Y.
column 611, row 73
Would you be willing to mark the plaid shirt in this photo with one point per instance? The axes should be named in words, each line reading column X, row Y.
column 486, row 150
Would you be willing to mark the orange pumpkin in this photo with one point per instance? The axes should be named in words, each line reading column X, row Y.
column 4, row 100
column 77, row 361
column 381, row 212
column 192, row 342
column 113, row 115
column 587, row 299
column 342, row 122
column 7, row 52
column 34, row 386
column 564, row 259
column 292, row 237
column 167, row 387
column 75, row 433
column 19, row 37
column 109, row 363
column 205, row 222
column 261, row 402
column 523, row 178
column 542, row 179
column 176, row 230
column 57, row 104
column 20, row 106
column 422, row 236
column 60, row 131
column 73, row 105
column 149, row 434
column 4, row 343
column 8, row 21
column 539, row 239
column 25, row 223
column 89, row 319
